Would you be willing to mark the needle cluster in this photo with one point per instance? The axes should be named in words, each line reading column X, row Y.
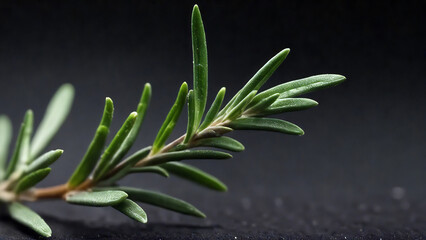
column 95, row 181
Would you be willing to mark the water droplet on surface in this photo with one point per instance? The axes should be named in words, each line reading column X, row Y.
column 278, row 202
column 246, row 202
column 398, row 193
column 362, row 207
column 377, row 208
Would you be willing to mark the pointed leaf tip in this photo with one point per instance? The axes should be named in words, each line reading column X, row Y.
column 266, row 124
column 57, row 111
column 29, row 218
column 195, row 9
column 200, row 65
column 161, row 200
column 44, row 160
column 171, row 119
column 108, row 112
column 256, row 82
column 132, row 210
column 106, row 163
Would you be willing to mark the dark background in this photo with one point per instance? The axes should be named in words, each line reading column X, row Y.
column 359, row 171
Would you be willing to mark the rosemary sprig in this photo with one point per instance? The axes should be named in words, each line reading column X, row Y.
column 94, row 181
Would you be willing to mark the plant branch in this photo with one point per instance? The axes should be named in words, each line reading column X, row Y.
column 59, row 191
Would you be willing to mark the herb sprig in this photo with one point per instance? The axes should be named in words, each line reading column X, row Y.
column 95, row 180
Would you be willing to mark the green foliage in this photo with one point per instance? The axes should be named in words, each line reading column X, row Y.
column 236, row 111
column 261, row 106
column 5, row 139
column 199, row 50
column 29, row 218
column 266, row 124
column 31, row 179
column 44, row 160
column 20, row 151
column 288, row 105
column 187, row 154
column 223, row 142
column 131, row 138
column 258, row 79
column 171, row 119
column 95, row 148
column 105, row 164
column 132, row 210
column 214, row 109
column 301, row 86
column 152, row 169
column 96, row 199
column 24, row 156
column 56, row 113
column 191, row 117
column 161, row 200
column 95, row 181
column 195, row 175
column 127, row 165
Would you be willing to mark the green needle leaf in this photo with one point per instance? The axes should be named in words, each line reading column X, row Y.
column 105, row 164
column 30, row 180
column 199, row 50
column 236, row 111
column 195, row 175
column 153, row 169
column 215, row 131
column 95, row 148
column 5, row 139
column 132, row 210
column 289, row 105
column 96, row 199
column 191, row 118
column 266, row 124
column 141, row 110
column 108, row 113
column 22, row 140
column 171, row 119
column 187, row 154
column 161, row 200
column 127, row 164
column 214, row 109
column 29, row 218
column 44, row 160
column 226, row 143
column 24, row 156
column 258, row 79
column 301, row 86
column 56, row 113
column 262, row 105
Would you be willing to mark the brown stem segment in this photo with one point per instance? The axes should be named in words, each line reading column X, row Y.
column 58, row 191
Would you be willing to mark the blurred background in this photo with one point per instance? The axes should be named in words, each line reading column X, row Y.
column 365, row 144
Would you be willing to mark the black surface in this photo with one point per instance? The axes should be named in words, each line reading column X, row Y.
column 251, row 217
column 359, row 172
